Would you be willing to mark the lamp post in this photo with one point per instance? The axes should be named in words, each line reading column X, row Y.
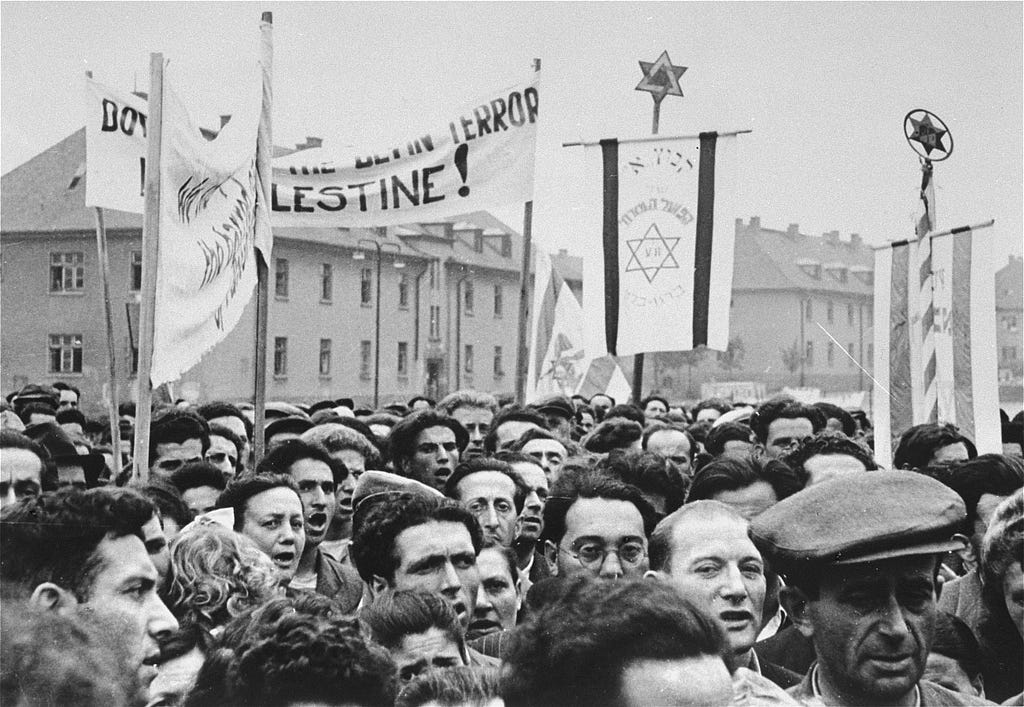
column 380, row 248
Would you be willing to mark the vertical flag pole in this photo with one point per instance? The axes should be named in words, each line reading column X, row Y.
column 264, row 148
column 522, row 354
column 150, row 259
column 104, row 270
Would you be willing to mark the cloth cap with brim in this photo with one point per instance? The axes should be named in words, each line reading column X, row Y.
column 555, row 405
column 297, row 425
column 61, row 448
column 380, row 483
column 275, row 410
column 861, row 517
column 34, row 392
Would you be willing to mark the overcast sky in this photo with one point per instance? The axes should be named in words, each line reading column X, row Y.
column 824, row 87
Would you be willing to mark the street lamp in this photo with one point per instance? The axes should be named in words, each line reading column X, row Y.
column 380, row 247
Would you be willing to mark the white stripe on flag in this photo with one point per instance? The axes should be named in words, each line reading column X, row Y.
column 944, row 275
column 984, row 366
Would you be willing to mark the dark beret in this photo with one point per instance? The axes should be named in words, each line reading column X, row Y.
column 861, row 518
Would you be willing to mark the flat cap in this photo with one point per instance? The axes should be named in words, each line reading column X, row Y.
column 860, row 518
column 380, row 483
column 555, row 405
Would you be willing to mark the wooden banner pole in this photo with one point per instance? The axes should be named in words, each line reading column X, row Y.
column 264, row 149
column 112, row 397
column 525, row 293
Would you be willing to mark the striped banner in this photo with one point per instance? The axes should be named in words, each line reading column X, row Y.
column 934, row 331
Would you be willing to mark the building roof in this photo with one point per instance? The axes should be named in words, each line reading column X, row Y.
column 570, row 267
column 1010, row 284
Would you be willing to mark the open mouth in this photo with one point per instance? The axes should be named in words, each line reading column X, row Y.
column 442, row 474
column 532, row 523
column 317, row 521
column 736, row 620
column 482, row 627
column 284, row 560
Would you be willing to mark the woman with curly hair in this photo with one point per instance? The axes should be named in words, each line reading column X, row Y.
column 217, row 574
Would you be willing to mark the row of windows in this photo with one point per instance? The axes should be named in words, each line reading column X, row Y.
column 67, row 272
column 830, row 314
column 831, row 353
column 365, row 358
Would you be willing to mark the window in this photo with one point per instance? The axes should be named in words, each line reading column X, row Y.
column 849, row 314
column 403, row 291
column 1009, row 353
column 467, row 297
column 281, row 278
column 435, row 322
column 365, row 354
column 468, row 365
column 506, row 246
column 65, row 353
column 830, row 354
column 433, row 274
column 829, row 312
column 136, row 274
column 809, row 355
column 403, row 359
column 280, row 355
column 365, row 286
column 67, row 272
column 1010, row 322
column 478, row 242
column 499, row 366
column 808, row 311
column 499, row 302
column 325, row 357
column 326, row 283
column 849, row 360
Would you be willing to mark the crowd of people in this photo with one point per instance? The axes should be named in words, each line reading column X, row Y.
column 474, row 551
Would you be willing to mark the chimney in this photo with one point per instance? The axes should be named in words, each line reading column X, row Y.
column 831, row 236
column 755, row 223
column 855, row 240
column 224, row 120
column 563, row 251
column 793, row 230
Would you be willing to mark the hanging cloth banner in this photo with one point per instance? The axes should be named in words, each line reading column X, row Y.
column 115, row 148
column 210, row 216
column 481, row 158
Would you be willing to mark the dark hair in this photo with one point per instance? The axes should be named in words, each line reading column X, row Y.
column 213, row 410
column 10, row 439
column 569, row 488
column 456, row 686
column 827, row 443
column 167, row 500
column 830, row 410
column 721, row 404
column 219, row 430
column 531, row 435
column 918, row 445
column 393, row 615
column 955, row 640
column 196, row 474
column 69, row 416
column 36, row 408
column 996, row 474
column 573, row 651
column 512, row 413
column 717, row 437
column 475, row 466
column 655, row 427
column 61, row 385
column 53, row 537
column 412, row 401
column 378, row 521
column 613, row 433
column 283, row 455
column 646, row 401
column 628, row 411
column 402, row 440
column 650, row 472
column 311, row 659
column 175, row 426
column 787, row 409
column 506, row 552
column 240, row 489
column 732, row 473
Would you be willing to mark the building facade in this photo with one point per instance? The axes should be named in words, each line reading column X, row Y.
column 1010, row 333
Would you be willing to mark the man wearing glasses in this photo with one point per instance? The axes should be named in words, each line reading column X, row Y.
column 176, row 438
column 595, row 524
column 426, row 446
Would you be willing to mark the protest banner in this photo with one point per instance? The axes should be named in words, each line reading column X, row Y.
column 115, row 145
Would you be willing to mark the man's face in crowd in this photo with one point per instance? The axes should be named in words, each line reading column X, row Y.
column 749, row 501
column 420, row 405
column 489, row 496
column 124, row 593
column 156, row 545
column 222, row 454
column 355, row 462
column 200, row 499
column 674, row 445
column 822, row 467
column 477, row 422
column 418, row 652
column 601, row 404
column 586, row 421
column 21, row 475
column 497, row 601
column 681, row 682
column 603, row 538
column 434, row 456
column 710, row 414
column 872, row 626
column 171, row 456
column 950, row 453
column 784, row 433
column 273, row 520
column 316, row 489
column 236, row 425
column 1013, row 595
column 530, row 523
column 715, row 566
column 654, row 409
column 946, row 671
column 509, row 432
column 68, row 400
column 549, row 453
column 438, row 556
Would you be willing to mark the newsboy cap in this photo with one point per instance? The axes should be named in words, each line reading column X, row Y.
column 861, row 518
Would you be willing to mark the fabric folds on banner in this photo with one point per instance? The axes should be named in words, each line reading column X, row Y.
column 115, row 148
column 209, row 215
column 960, row 314
column 668, row 239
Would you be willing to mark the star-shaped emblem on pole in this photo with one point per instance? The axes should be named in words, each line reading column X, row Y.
column 661, row 78
column 652, row 254
column 927, row 134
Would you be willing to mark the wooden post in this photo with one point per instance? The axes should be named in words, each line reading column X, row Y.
column 264, row 167
column 112, row 402
column 525, row 293
column 150, row 260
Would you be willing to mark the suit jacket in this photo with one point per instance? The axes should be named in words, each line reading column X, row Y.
column 962, row 598
column 338, row 581
column 787, row 649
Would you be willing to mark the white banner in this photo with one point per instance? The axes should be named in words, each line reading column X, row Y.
column 208, row 221
column 115, row 148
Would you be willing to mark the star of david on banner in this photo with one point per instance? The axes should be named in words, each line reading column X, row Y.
column 652, row 253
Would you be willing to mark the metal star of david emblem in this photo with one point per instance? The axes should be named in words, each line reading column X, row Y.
column 652, row 254
column 929, row 133
column 661, row 78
